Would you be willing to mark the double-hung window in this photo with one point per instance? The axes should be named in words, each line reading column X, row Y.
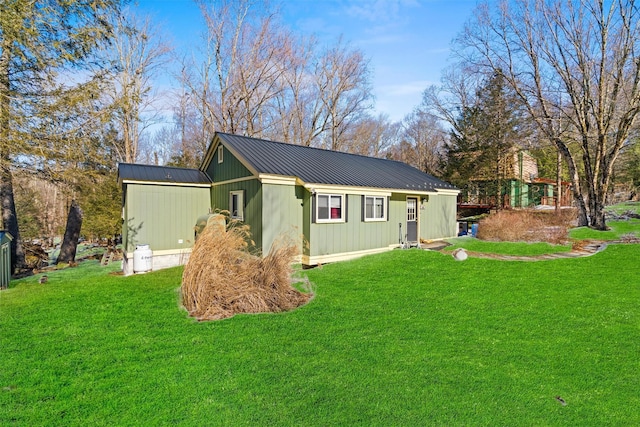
column 375, row 208
column 330, row 207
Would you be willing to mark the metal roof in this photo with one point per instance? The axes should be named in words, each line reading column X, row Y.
column 151, row 173
column 318, row 166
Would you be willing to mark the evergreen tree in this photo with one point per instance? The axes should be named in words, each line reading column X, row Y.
column 39, row 42
column 483, row 138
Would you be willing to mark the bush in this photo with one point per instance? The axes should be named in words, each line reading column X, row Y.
column 222, row 278
column 528, row 226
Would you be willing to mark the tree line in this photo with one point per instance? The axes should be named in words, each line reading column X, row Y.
column 79, row 92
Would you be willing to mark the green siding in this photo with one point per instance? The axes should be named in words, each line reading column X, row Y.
column 252, row 204
column 160, row 215
column 230, row 168
column 438, row 217
column 356, row 234
column 282, row 207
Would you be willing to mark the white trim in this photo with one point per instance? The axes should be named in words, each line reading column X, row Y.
column 448, row 192
column 343, row 189
column 242, row 161
column 385, row 208
column 166, row 252
column 161, row 259
column 167, row 183
column 343, row 211
column 220, row 151
column 344, row 256
column 232, row 181
column 208, row 155
column 406, row 217
column 277, row 179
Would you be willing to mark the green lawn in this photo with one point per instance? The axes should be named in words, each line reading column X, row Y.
column 405, row 338
column 618, row 229
column 621, row 208
column 506, row 248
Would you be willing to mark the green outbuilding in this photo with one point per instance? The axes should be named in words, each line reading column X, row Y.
column 160, row 206
column 336, row 205
column 5, row 258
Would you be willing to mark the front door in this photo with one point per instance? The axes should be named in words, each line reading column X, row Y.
column 412, row 219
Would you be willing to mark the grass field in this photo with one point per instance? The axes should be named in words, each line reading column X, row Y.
column 403, row 338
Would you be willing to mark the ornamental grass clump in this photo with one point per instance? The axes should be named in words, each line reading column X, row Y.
column 222, row 277
column 527, row 225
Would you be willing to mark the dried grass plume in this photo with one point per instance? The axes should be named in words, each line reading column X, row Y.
column 222, row 278
column 528, row 225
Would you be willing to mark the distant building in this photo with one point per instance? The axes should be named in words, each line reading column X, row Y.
column 515, row 184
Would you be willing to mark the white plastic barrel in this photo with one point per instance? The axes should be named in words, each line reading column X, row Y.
column 142, row 259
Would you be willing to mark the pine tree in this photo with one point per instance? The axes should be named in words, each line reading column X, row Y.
column 484, row 136
column 39, row 42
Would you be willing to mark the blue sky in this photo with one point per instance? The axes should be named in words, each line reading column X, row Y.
column 406, row 41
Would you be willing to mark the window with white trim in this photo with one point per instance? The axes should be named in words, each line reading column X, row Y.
column 330, row 208
column 220, row 153
column 375, row 208
column 236, row 204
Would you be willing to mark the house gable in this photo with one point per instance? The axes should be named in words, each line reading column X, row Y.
column 222, row 164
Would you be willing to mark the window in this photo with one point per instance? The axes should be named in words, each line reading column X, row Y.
column 329, row 208
column 236, row 205
column 375, row 208
column 412, row 212
column 220, row 153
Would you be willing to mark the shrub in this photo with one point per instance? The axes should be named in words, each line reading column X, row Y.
column 222, row 278
column 528, row 226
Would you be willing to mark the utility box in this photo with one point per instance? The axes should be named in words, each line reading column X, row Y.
column 5, row 258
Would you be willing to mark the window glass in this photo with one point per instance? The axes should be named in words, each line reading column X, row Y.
column 379, row 207
column 329, row 207
column 375, row 208
column 336, row 207
column 323, row 207
column 368, row 207
column 236, row 205
column 411, row 209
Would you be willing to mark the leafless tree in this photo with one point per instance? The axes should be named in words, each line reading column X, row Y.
column 574, row 64
column 137, row 53
column 342, row 78
column 456, row 92
column 254, row 77
column 373, row 136
column 426, row 135
column 238, row 72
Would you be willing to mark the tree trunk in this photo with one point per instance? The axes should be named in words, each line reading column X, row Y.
column 71, row 234
column 558, row 181
column 9, row 216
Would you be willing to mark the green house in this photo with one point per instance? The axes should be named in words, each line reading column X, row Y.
column 335, row 205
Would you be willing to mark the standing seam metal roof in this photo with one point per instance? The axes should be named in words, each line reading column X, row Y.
column 318, row 166
column 151, row 173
